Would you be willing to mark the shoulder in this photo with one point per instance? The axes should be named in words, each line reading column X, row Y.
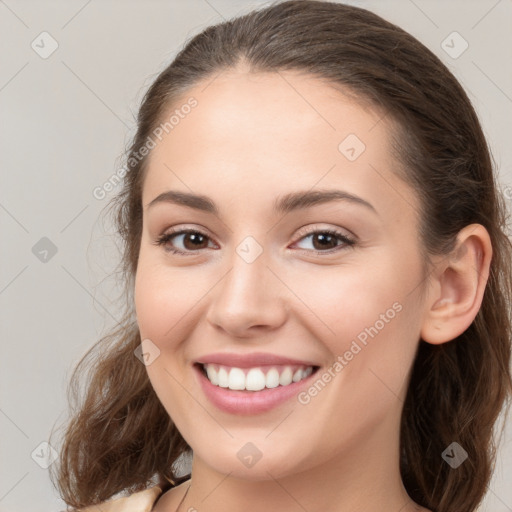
column 142, row 501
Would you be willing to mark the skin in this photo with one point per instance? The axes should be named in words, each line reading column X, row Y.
column 252, row 138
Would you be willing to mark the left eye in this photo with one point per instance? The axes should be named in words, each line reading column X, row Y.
column 325, row 238
column 322, row 239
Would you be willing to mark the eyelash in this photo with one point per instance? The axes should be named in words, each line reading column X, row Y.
column 348, row 242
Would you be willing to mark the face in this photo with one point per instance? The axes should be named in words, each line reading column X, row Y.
column 330, row 284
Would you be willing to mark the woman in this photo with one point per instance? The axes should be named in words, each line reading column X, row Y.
column 317, row 281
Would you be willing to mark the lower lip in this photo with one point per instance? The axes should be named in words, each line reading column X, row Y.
column 249, row 402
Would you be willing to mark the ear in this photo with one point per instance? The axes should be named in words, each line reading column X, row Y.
column 457, row 285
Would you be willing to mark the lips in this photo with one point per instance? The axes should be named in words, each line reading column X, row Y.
column 266, row 379
column 252, row 360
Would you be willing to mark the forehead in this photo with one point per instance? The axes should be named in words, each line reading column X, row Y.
column 263, row 135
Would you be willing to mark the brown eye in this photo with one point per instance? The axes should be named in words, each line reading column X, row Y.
column 195, row 240
column 325, row 241
column 190, row 241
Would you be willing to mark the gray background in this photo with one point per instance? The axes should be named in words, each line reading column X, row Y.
column 65, row 122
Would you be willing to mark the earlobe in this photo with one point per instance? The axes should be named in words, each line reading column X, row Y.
column 457, row 286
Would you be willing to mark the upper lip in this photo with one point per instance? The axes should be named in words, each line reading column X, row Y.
column 250, row 360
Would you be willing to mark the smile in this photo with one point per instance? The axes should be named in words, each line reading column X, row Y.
column 252, row 390
column 257, row 378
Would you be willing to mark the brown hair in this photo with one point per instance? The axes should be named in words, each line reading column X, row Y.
column 121, row 437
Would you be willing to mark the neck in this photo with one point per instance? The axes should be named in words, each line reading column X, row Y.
column 364, row 476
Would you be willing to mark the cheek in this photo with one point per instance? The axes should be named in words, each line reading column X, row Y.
column 162, row 303
column 369, row 320
column 377, row 333
column 353, row 302
column 162, row 298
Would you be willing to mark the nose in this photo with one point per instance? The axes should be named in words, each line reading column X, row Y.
column 249, row 300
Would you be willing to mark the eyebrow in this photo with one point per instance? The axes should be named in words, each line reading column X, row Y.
column 282, row 205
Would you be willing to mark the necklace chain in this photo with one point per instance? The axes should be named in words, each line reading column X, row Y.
column 183, row 499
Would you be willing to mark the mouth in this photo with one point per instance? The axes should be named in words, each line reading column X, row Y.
column 256, row 378
column 252, row 390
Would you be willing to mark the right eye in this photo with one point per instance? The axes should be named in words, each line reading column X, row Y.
column 196, row 241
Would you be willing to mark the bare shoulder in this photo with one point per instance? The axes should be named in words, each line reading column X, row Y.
column 170, row 499
column 141, row 501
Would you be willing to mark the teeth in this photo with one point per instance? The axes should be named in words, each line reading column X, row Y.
column 286, row 377
column 236, row 379
column 212, row 374
column 272, row 378
column 223, row 379
column 255, row 379
column 297, row 375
